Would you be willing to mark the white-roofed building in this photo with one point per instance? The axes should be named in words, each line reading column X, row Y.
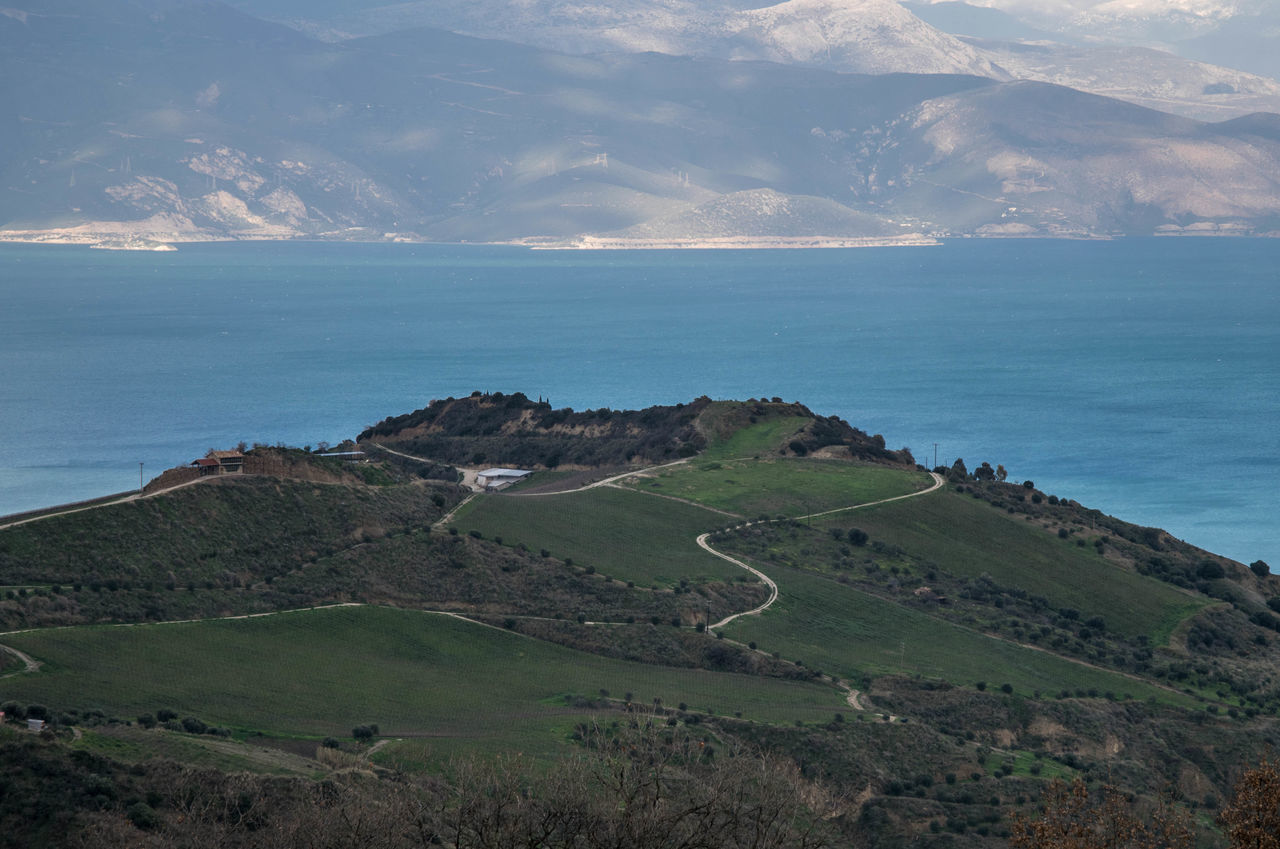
column 491, row 479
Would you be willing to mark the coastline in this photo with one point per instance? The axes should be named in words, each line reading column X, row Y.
column 118, row 240
column 604, row 243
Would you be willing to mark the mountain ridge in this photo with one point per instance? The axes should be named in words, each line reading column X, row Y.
column 430, row 135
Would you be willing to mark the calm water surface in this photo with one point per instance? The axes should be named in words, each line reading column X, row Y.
column 1139, row 377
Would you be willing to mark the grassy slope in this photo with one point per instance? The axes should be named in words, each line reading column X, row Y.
column 848, row 633
column 969, row 538
column 782, row 486
column 761, row 438
column 323, row 672
column 133, row 744
column 626, row 535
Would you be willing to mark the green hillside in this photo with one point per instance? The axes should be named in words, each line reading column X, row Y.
column 626, row 535
column 938, row 647
column 968, row 538
column 841, row 631
column 322, row 672
column 787, row 486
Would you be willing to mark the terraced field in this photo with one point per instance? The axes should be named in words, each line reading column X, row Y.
column 958, row 534
column 322, row 672
column 843, row 631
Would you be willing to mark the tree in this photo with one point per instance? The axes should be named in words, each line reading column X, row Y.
column 1071, row 818
column 985, row 472
column 1260, row 568
column 958, row 470
column 1210, row 571
column 857, row 536
column 1252, row 818
column 1001, row 472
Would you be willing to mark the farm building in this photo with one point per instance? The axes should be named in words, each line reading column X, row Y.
column 491, row 479
column 220, row 463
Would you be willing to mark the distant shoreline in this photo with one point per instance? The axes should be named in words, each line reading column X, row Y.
column 604, row 243
column 77, row 237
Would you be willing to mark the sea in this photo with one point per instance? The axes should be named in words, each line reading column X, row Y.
column 1140, row 377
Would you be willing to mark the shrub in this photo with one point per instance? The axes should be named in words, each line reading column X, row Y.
column 192, row 725
column 143, row 816
column 1210, row 570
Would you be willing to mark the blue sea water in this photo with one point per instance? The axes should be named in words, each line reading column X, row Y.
column 1141, row 377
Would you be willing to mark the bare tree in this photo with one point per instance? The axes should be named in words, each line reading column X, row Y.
column 1252, row 818
column 1073, row 819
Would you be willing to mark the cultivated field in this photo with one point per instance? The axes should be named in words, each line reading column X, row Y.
column 322, row 672
column 846, row 632
column 626, row 535
column 781, row 486
column 958, row 534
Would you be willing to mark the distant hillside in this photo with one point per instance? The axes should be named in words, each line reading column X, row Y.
column 762, row 213
column 139, row 124
column 497, row 429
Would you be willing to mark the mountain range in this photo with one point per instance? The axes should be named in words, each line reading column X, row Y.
column 136, row 122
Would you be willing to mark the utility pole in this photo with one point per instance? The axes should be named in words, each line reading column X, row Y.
column 140, row 486
column 935, row 455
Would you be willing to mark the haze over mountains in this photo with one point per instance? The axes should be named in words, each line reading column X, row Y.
column 539, row 120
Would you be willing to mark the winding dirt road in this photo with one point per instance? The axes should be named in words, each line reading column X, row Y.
column 114, row 501
column 29, row 663
column 773, row 586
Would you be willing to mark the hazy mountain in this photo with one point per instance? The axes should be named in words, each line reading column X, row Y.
column 170, row 120
column 863, row 36
column 1249, row 42
column 762, row 213
column 1152, row 78
column 860, row 36
column 960, row 18
column 1240, row 34
column 1033, row 158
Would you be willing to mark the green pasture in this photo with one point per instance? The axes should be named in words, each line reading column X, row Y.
column 967, row 537
column 761, row 438
column 790, row 486
column 323, row 672
column 1023, row 763
column 133, row 744
column 848, row 633
column 626, row 535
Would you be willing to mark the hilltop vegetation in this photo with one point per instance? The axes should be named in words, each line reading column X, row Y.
column 497, row 429
column 942, row 643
